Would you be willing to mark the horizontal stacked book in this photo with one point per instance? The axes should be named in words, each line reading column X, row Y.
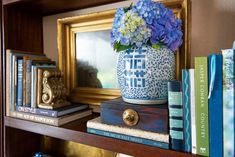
column 24, row 89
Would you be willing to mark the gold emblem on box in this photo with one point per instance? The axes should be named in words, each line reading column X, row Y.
column 130, row 117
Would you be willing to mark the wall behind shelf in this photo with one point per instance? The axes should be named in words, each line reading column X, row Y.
column 50, row 25
column 213, row 26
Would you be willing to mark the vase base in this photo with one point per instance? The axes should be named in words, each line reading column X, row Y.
column 144, row 102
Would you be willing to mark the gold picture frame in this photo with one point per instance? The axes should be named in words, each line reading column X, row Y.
column 67, row 27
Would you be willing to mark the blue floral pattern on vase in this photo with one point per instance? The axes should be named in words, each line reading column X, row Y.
column 143, row 74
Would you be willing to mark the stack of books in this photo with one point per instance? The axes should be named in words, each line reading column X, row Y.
column 22, row 89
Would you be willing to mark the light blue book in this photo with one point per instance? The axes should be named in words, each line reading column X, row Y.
column 13, row 80
column 34, row 82
column 19, row 84
column 128, row 138
column 95, row 126
column 215, row 105
column 228, row 103
column 186, row 110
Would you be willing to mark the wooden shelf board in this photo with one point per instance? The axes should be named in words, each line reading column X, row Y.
column 76, row 132
column 48, row 7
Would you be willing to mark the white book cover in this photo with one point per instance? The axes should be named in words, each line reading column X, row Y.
column 193, row 111
column 96, row 124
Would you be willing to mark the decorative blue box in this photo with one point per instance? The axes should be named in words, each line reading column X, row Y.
column 150, row 117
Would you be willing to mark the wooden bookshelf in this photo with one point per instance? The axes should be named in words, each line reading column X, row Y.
column 76, row 132
column 48, row 7
column 22, row 30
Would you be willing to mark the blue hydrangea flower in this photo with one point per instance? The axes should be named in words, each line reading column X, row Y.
column 166, row 29
column 147, row 22
column 131, row 30
column 115, row 34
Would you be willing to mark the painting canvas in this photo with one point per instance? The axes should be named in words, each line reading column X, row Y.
column 95, row 60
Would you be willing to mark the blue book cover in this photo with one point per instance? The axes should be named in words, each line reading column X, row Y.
column 215, row 105
column 128, row 138
column 186, row 110
column 176, row 115
column 52, row 113
column 19, row 82
column 228, row 103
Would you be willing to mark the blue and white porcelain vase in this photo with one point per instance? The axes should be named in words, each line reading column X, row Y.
column 143, row 74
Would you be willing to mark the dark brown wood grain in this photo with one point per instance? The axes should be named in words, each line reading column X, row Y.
column 21, row 143
column 22, row 30
column 1, row 88
column 46, row 7
column 76, row 132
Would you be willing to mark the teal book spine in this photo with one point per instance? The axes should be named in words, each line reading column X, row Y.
column 215, row 105
column 128, row 138
column 176, row 115
column 228, row 103
column 19, row 82
column 186, row 110
column 201, row 100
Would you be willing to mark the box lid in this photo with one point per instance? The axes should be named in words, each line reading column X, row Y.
column 119, row 104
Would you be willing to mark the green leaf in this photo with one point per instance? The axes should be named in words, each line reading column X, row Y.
column 157, row 46
column 128, row 8
column 119, row 47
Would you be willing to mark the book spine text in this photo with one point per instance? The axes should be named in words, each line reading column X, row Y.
column 49, row 113
column 20, row 82
column 228, row 103
column 129, row 138
column 201, row 95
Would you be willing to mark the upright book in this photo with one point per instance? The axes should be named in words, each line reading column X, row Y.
column 201, row 95
column 186, row 110
column 193, row 111
column 176, row 115
column 11, row 77
column 19, row 84
column 228, row 103
column 28, row 61
column 215, row 105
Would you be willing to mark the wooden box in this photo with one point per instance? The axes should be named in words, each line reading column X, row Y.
column 150, row 117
